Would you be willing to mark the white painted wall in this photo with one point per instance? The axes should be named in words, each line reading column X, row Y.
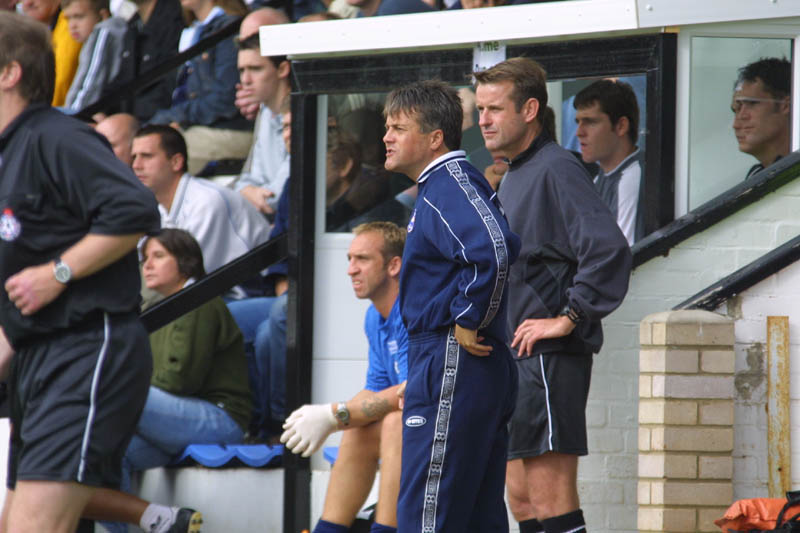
column 778, row 295
column 608, row 474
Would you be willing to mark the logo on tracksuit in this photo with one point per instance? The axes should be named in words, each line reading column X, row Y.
column 415, row 421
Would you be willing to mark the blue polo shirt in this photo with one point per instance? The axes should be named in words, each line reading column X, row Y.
column 388, row 348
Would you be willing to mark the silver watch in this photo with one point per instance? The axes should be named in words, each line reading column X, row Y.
column 343, row 413
column 62, row 271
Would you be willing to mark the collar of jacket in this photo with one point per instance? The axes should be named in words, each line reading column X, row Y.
column 540, row 140
column 6, row 134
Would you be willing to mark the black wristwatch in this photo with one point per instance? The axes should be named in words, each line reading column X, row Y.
column 571, row 313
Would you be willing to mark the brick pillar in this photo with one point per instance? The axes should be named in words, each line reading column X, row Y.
column 686, row 395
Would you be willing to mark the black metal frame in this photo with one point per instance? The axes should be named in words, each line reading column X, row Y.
column 753, row 189
column 300, row 312
column 654, row 55
column 712, row 297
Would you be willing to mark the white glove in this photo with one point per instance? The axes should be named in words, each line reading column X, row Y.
column 308, row 427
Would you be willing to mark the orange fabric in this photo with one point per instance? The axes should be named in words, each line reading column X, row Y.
column 754, row 513
column 67, row 51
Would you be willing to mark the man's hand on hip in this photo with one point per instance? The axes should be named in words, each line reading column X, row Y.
column 536, row 329
column 469, row 340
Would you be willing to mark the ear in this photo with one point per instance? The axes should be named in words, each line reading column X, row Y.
column 283, row 70
column 622, row 126
column 436, row 140
column 346, row 168
column 785, row 106
column 530, row 109
column 105, row 14
column 176, row 162
column 10, row 75
column 393, row 267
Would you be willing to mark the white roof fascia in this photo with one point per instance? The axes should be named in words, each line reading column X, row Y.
column 447, row 29
column 684, row 12
column 509, row 24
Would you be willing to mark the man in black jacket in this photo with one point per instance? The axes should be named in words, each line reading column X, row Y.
column 572, row 270
column 72, row 214
column 152, row 38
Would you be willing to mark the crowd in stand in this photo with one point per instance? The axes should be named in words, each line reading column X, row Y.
column 226, row 111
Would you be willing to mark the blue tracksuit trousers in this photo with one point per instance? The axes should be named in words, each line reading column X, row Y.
column 455, row 436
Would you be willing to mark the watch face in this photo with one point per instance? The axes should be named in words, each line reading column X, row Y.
column 62, row 272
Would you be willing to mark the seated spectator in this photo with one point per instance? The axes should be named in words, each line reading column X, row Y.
column 762, row 110
column 371, row 420
column 360, row 189
column 202, row 104
column 266, row 80
column 263, row 324
column 199, row 391
column 343, row 165
column 379, row 8
column 103, row 37
column 343, row 9
column 608, row 123
column 119, row 129
column 152, row 38
column 320, row 17
column 66, row 49
column 222, row 221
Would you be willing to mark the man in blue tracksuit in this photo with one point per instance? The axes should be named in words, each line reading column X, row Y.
column 461, row 377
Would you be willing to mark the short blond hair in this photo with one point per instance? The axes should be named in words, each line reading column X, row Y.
column 394, row 237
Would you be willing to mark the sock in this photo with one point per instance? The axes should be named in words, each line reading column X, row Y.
column 323, row 526
column 157, row 518
column 380, row 528
column 530, row 526
column 571, row 522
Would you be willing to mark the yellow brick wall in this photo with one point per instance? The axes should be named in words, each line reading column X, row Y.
column 686, row 393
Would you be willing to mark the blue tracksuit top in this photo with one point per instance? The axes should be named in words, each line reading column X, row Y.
column 388, row 348
column 457, row 253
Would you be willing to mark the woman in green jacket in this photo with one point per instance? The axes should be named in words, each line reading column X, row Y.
column 199, row 391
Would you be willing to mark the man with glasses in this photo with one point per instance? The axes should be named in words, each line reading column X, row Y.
column 762, row 110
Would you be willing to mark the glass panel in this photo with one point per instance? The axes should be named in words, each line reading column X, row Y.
column 717, row 160
column 358, row 189
column 609, row 154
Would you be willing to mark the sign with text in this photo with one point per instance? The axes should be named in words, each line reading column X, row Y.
column 487, row 54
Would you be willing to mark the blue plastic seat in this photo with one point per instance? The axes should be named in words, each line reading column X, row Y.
column 216, row 455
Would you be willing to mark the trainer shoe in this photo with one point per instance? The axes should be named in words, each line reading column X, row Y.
column 187, row 521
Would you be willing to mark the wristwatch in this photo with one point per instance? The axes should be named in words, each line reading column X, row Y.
column 573, row 314
column 343, row 413
column 62, row 271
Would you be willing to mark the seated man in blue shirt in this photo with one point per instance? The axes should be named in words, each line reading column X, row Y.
column 372, row 417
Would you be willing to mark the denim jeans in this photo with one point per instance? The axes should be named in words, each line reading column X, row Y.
column 251, row 315
column 168, row 424
column 274, row 351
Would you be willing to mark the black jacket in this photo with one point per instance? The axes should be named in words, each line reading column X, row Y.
column 147, row 46
column 572, row 252
column 59, row 180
